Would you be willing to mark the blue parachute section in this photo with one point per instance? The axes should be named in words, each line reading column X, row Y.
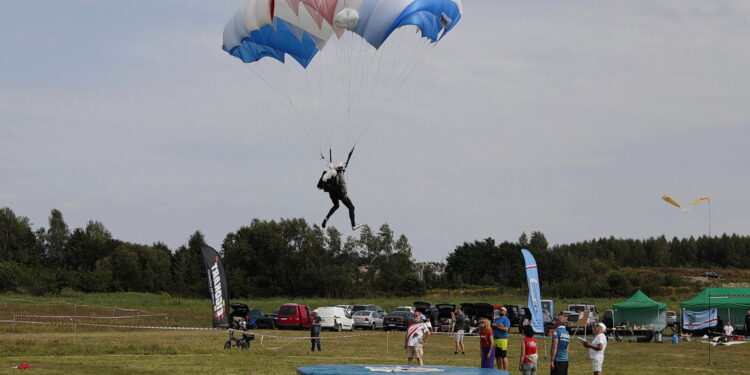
column 275, row 41
column 431, row 17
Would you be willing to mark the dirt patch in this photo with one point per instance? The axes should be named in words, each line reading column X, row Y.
column 698, row 279
column 736, row 285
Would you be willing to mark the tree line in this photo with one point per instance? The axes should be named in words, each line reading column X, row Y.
column 605, row 267
column 290, row 257
column 263, row 259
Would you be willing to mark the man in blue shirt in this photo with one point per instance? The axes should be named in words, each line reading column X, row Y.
column 560, row 342
column 500, row 329
column 315, row 329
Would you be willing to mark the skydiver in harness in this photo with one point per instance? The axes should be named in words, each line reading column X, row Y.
column 334, row 183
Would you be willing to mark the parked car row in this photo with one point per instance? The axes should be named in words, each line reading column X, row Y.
column 368, row 316
column 441, row 316
column 295, row 316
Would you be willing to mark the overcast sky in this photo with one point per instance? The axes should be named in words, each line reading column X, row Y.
column 571, row 118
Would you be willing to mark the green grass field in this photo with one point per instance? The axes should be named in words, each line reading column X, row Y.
column 63, row 349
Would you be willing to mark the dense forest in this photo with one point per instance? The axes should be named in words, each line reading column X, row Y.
column 291, row 258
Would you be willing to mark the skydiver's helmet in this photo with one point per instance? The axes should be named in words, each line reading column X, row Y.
column 340, row 167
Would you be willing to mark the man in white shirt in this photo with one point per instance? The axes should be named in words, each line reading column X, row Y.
column 597, row 347
column 416, row 335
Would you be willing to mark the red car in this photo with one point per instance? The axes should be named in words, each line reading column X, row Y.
column 292, row 315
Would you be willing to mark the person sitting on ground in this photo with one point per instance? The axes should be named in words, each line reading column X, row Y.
column 728, row 329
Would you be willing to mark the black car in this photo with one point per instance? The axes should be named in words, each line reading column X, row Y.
column 468, row 309
column 445, row 312
column 243, row 317
column 516, row 315
column 397, row 321
column 256, row 318
column 711, row 275
column 423, row 307
column 237, row 316
column 482, row 310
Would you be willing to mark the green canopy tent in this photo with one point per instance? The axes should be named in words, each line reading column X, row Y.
column 641, row 310
column 731, row 304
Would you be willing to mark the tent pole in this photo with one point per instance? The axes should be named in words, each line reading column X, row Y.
column 709, row 326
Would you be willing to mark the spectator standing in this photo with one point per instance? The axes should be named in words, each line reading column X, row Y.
column 529, row 354
column 486, row 343
column 597, row 347
column 416, row 335
column 747, row 322
column 500, row 329
column 559, row 351
column 458, row 331
column 315, row 331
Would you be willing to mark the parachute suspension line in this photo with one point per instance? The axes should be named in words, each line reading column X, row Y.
column 365, row 93
column 277, row 81
column 407, row 56
column 259, row 69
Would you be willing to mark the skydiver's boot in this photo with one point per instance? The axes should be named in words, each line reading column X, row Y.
column 324, row 222
column 357, row 226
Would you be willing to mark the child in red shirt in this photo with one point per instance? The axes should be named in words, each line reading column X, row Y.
column 528, row 352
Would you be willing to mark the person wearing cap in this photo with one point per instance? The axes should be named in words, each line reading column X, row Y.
column 597, row 347
column 416, row 335
column 315, row 330
column 334, row 183
column 500, row 329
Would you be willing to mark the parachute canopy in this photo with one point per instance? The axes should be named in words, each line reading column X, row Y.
column 301, row 28
column 336, row 64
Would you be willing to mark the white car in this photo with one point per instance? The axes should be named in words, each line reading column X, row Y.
column 348, row 308
column 335, row 318
column 672, row 318
column 368, row 319
column 405, row 308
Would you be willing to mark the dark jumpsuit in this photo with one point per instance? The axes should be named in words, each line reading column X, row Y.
column 339, row 194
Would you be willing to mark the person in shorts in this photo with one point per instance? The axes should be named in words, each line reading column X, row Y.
column 597, row 347
column 416, row 335
column 458, row 331
column 529, row 355
column 500, row 329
